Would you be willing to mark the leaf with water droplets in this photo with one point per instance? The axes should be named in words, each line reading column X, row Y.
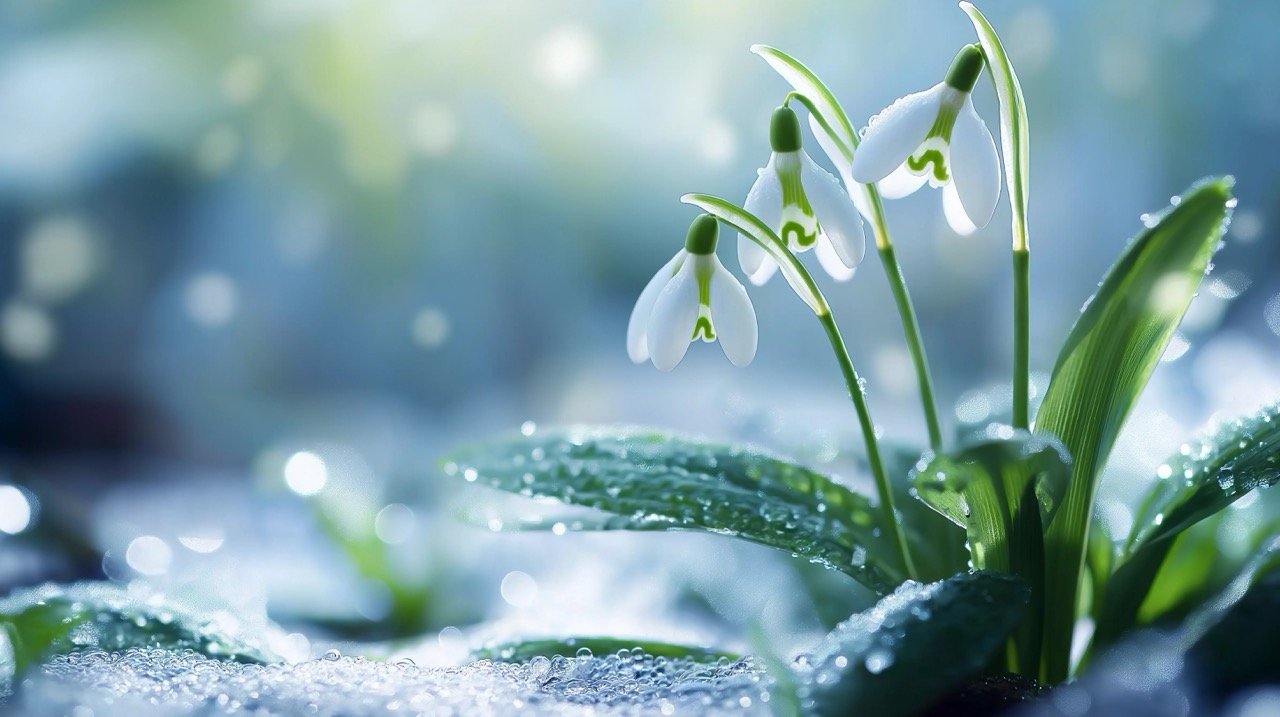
column 56, row 620
column 1108, row 357
column 525, row 650
column 659, row 481
column 937, row 544
column 912, row 647
column 1199, row 481
column 1003, row 491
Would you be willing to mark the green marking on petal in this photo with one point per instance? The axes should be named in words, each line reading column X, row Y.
column 704, row 328
column 799, row 225
column 919, row 164
column 703, row 271
column 794, row 234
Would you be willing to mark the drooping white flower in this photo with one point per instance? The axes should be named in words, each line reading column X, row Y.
column 804, row 204
column 936, row 136
column 693, row 297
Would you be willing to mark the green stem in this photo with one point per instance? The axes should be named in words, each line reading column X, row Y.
column 898, row 283
column 869, row 436
column 1021, row 339
column 907, row 313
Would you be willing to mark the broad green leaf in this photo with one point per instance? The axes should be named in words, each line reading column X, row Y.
column 937, row 544
column 750, row 226
column 39, row 623
column 823, row 106
column 1014, row 136
column 1107, row 359
column 913, row 647
column 1003, row 490
column 525, row 650
column 1201, row 480
column 659, row 481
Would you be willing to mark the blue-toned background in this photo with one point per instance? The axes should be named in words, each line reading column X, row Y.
column 234, row 233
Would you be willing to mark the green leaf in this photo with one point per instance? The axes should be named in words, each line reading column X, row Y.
column 525, row 650
column 913, row 647
column 1107, row 359
column 822, row 104
column 1207, row 476
column 1201, row 480
column 937, row 544
column 750, row 226
column 50, row 620
column 1003, row 490
column 659, row 481
column 1014, row 136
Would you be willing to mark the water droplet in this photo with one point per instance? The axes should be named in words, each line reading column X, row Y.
column 878, row 661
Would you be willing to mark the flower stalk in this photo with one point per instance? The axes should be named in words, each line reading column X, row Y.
column 868, row 199
column 906, row 314
column 859, row 399
column 755, row 230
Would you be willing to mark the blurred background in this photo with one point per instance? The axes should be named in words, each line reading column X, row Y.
column 262, row 262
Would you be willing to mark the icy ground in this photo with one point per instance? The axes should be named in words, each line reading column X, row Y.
column 140, row 682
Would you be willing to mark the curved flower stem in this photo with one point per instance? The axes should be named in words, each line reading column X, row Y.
column 893, row 271
column 1021, row 338
column 907, row 314
column 869, row 437
column 807, row 289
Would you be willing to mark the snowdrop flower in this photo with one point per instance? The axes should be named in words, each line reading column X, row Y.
column 804, row 204
column 936, row 135
column 692, row 297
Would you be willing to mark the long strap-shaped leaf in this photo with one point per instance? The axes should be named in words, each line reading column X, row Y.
column 525, row 650
column 1199, row 481
column 1002, row 491
column 1110, row 354
column 659, row 481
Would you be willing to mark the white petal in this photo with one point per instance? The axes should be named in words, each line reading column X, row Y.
column 764, row 273
column 831, row 261
column 954, row 212
column 637, row 346
column 975, row 166
column 900, row 183
column 733, row 317
column 837, row 216
column 765, row 201
column 675, row 313
column 895, row 133
column 842, row 166
column 829, row 147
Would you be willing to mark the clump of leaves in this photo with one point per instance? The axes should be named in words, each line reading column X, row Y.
column 1021, row 497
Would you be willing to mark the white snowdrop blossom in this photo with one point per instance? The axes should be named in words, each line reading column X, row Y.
column 804, row 204
column 693, row 297
column 936, row 136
